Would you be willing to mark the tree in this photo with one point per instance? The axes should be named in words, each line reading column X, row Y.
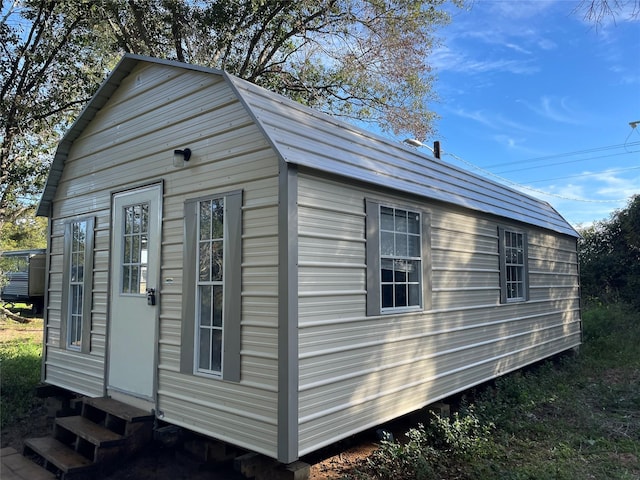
column 51, row 63
column 28, row 232
column 610, row 256
column 599, row 11
column 362, row 59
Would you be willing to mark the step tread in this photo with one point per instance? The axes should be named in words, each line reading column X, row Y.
column 90, row 431
column 59, row 454
column 119, row 409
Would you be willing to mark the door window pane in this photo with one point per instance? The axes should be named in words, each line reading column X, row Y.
column 135, row 248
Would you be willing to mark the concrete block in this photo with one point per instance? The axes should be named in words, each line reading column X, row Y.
column 220, row 452
column 296, row 471
column 196, row 448
column 53, row 405
column 253, row 464
column 443, row 410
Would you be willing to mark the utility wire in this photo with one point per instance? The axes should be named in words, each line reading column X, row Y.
column 618, row 170
column 568, row 161
column 567, row 154
column 518, row 185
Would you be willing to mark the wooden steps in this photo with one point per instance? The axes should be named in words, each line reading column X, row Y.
column 118, row 409
column 89, row 431
column 105, row 430
column 58, row 455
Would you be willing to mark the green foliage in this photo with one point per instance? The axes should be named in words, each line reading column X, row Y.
column 362, row 59
column 19, row 374
column 610, row 257
column 410, row 460
column 611, row 337
column 466, row 434
column 429, row 451
column 52, row 61
column 27, row 232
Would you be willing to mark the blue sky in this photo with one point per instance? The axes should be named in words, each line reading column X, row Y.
column 531, row 93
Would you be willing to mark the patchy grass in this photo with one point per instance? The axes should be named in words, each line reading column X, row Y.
column 20, row 359
column 573, row 417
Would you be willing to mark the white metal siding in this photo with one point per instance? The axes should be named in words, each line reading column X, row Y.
column 130, row 142
column 358, row 371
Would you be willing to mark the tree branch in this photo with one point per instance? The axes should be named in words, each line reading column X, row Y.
column 12, row 316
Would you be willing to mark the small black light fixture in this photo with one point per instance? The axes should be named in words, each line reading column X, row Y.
column 181, row 156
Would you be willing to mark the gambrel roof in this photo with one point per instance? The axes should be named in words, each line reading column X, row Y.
column 305, row 137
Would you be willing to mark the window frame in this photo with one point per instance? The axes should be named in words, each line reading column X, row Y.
column 84, row 313
column 523, row 267
column 374, row 259
column 231, row 284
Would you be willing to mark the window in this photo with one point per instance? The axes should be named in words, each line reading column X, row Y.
column 212, row 286
column 513, row 265
column 77, row 279
column 398, row 270
column 76, row 283
column 136, row 248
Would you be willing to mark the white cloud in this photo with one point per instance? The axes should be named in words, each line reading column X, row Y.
column 615, row 184
column 555, row 109
column 495, row 121
column 445, row 59
column 508, row 141
column 521, row 9
column 518, row 48
column 546, row 44
column 595, row 196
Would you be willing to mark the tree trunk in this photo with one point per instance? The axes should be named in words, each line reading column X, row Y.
column 12, row 316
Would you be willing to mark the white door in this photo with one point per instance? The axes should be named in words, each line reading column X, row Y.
column 135, row 268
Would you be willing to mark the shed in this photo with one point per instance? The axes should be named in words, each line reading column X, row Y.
column 292, row 281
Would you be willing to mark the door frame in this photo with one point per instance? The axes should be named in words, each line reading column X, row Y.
column 147, row 403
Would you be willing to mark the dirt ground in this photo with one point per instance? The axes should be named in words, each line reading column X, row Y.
column 172, row 463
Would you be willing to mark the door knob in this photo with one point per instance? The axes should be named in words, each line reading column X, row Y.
column 151, row 296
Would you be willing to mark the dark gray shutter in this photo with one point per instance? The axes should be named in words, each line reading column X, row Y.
column 87, row 292
column 232, row 285
column 373, row 257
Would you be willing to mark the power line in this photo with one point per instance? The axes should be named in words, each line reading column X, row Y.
column 569, row 161
column 566, row 154
column 618, row 170
column 518, row 185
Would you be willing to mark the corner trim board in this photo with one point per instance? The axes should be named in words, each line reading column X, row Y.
column 288, row 314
